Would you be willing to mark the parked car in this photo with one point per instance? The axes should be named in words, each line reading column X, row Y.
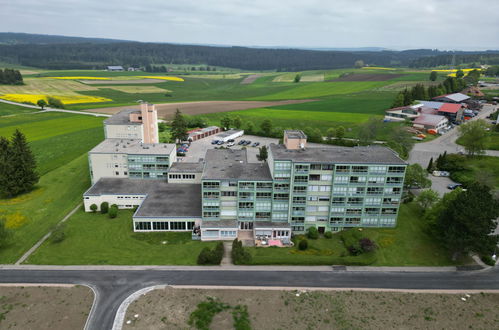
column 256, row 144
column 230, row 144
column 220, row 142
column 440, row 173
column 242, row 142
column 214, row 142
column 453, row 186
column 231, row 140
column 247, row 143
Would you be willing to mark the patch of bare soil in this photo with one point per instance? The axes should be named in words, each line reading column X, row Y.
column 44, row 307
column 250, row 79
column 368, row 77
column 122, row 82
column 167, row 110
column 272, row 309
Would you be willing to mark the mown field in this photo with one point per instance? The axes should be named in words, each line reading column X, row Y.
column 10, row 109
column 59, row 142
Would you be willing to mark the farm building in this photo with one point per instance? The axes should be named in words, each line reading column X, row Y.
column 115, row 68
column 435, row 122
column 453, row 111
column 452, row 98
column 410, row 112
column 200, row 133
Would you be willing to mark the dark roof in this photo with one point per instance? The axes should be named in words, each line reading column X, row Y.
column 337, row 155
column 180, row 167
column 219, row 224
column 122, row 118
column 233, row 164
column 295, row 134
column 163, row 199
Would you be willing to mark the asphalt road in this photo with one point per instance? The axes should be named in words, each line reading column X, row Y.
column 113, row 286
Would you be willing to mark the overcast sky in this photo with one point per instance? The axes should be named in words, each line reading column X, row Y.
column 395, row 24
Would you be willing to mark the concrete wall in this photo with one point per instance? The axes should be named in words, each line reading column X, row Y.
column 150, row 123
column 123, row 132
column 293, row 144
column 107, row 166
column 123, row 201
column 182, row 177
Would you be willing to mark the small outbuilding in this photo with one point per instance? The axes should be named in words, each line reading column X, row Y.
column 115, row 68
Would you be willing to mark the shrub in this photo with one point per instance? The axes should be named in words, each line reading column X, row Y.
column 488, row 260
column 240, row 256
column 211, row 257
column 104, row 207
column 113, row 211
column 55, row 103
column 351, row 240
column 303, row 245
column 367, row 245
column 312, row 233
column 59, row 234
column 328, row 234
column 93, row 208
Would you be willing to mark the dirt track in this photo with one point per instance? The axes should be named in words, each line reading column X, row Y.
column 250, row 79
column 166, row 110
column 368, row 77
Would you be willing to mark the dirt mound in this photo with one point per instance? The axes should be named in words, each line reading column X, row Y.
column 368, row 77
column 166, row 110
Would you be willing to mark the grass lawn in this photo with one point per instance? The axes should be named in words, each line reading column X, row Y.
column 405, row 245
column 491, row 143
column 55, row 138
column 11, row 109
column 31, row 216
column 482, row 167
column 96, row 239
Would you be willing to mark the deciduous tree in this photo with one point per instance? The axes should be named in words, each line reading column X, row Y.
column 416, row 176
column 427, row 198
column 433, row 75
column 41, row 103
column 473, row 136
column 266, row 127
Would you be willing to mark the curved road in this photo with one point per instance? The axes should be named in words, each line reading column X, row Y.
column 113, row 286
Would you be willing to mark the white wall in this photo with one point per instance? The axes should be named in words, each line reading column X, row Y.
column 124, row 132
column 107, row 165
column 123, row 201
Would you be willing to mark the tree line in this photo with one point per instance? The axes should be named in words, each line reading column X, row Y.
column 17, row 166
column 457, row 58
column 11, row 77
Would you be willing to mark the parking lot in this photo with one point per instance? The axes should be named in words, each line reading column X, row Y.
column 198, row 148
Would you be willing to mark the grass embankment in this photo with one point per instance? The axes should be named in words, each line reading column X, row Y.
column 11, row 109
column 95, row 239
column 406, row 245
column 59, row 142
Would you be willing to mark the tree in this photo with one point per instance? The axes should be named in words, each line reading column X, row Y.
column 55, row 103
column 41, row 103
column 225, row 122
column 433, row 75
column 466, row 222
column 5, row 233
column 401, row 141
column 427, row 198
column 266, row 127
column 297, row 78
column 312, row 233
column 250, row 128
column 330, row 133
column 459, row 73
column 340, row 132
column 416, row 176
column 369, row 130
column 313, row 134
column 237, row 122
column 399, row 100
column 179, row 127
column 430, row 167
column 5, row 165
column 358, row 64
column 473, row 137
column 303, row 245
column 263, row 154
column 19, row 172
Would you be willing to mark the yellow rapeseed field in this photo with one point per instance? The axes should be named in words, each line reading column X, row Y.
column 78, row 78
column 163, row 78
column 66, row 99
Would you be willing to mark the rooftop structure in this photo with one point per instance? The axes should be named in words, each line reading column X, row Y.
column 294, row 139
column 233, row 164
column 134, row 123
column 181, row 167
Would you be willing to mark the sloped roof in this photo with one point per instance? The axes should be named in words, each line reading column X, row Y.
column 455, row 97
column 432, row 104
column 432, row 120
column 450, row 108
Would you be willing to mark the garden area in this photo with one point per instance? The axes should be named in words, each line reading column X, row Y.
column 406, row 245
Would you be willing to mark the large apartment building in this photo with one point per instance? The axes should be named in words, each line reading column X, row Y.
column 224, row 195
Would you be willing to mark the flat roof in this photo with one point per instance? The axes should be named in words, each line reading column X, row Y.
column 426, row 119
column 222, row 164
column 133, row 147
column 228, row 133
column 271, row 224
column 163, row 199
column 181, row 167
column 122, row 118
column 219, row 224
column 337, row 155
column 295, row 134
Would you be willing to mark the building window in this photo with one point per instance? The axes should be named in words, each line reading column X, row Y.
column 160, row 225
column 142, row 225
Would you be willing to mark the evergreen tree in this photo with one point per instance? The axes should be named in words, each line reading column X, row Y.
column 433, row 75
column 21, row 173
column 399, row 100
column 263, row 154
column 5, row 164
column 439, row 162
column 459, row 74
column 430, row 166
column 179, row 127
column 407, row 97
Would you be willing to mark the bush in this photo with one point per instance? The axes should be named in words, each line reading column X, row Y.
column 211, row 257
column 59, row 234
column 351, row 239
column 104, row 207
column 367, row 245
column 488, row 260
column 113, row 211
column 312, row 233
column 240, row 256
column 303, row 245
column 93, row 208
column 328, row 234
column 55, row 103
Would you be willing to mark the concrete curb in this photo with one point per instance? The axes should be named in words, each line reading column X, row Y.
column 120, row 314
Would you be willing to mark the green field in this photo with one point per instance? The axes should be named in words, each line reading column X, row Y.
column 406, row 245
column 10, row 109
column 95, row 239
column 59, row 142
